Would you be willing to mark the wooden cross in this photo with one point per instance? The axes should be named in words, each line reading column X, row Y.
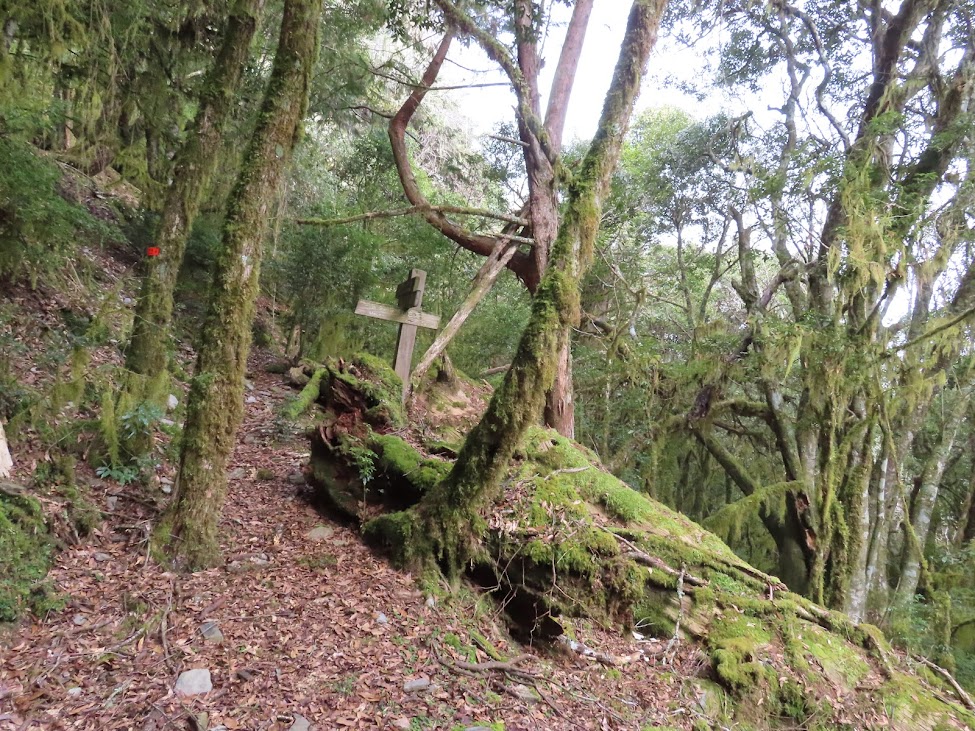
column 409, row 297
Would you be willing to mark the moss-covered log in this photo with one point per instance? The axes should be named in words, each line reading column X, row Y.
column 565, row 540
column 195, row 163
column 215, row 405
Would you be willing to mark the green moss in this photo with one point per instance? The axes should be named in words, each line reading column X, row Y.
column 308, row 395
column 399, row 458
column 380, row 386
column 25, row 554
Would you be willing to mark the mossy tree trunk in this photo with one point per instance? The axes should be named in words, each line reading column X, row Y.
column 215, row 407
column 451, row 507
column 195, row 163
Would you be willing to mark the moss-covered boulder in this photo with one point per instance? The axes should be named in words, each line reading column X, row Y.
column 566, row 539
column 25, row 551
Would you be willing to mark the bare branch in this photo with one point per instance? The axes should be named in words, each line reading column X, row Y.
column 411, row 210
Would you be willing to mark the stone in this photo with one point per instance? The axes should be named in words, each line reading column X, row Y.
column 171, row 402
column 193, row 682
column 237, row 474
column 382, row 619
column 300, row 724
column 211, row 632
column 248, row 385
column 74, row 692
column 111, row 501
column 403, row 723
column 319, row 533
column 415, row 686
column 296, row 478
column 524, row 693
column 167, row 489
column 102, row 557
column 297, row 377
column 252, row 439
column 250, row 400
column 79, row 619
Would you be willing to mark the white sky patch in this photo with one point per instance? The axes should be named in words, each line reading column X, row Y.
column 486, row 107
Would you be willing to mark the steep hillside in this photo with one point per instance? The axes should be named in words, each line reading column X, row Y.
column 568, row 547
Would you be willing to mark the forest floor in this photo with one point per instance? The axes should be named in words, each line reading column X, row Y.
column 303, row 627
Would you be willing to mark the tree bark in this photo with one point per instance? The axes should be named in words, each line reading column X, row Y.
column 147, row 350
column 922, row 508
column 450, row 507
column 6, row 463
column 215, row 405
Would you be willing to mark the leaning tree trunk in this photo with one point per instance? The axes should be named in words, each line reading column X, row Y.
column 215, row 408
column 146, row 354
column 450, row 507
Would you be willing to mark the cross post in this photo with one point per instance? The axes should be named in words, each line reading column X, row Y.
column 409, row 298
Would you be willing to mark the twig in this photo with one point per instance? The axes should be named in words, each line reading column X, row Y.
column 163, row 626
column 640, row 556
column 566, row 471
column 602, row 657
column 965, row 698
column 680, row 613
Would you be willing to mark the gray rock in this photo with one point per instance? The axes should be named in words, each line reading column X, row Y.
column 248, row 385
column 524, row 693
column 167, row 489
column 171, row 402
column 320, row 533
column 74, row 692
column 415, row 686
column 211, row 632
column 250, row 400
column 165, row 481
column 102, row 557
column 79, row 619
column 300, row 724
column 193, row 682
column 237, row 474
column 296, row 478
column 252, row 439
column 297, row 377
column 111, row 501
column 382, row 619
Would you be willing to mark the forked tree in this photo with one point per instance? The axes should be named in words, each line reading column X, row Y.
column 444, row 520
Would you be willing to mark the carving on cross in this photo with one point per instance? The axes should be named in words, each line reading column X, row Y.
column 409, row 298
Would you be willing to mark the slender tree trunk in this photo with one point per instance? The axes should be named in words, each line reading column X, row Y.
column 517, row 404
column 146, row 354
column 215, row 408
column 922, row 508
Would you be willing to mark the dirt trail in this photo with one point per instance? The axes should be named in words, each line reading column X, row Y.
column 314, row 625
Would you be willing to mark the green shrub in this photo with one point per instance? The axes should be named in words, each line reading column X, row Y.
column 25, row 553
column 39, row 229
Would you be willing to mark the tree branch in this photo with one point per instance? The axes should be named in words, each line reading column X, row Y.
column 411, row 210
